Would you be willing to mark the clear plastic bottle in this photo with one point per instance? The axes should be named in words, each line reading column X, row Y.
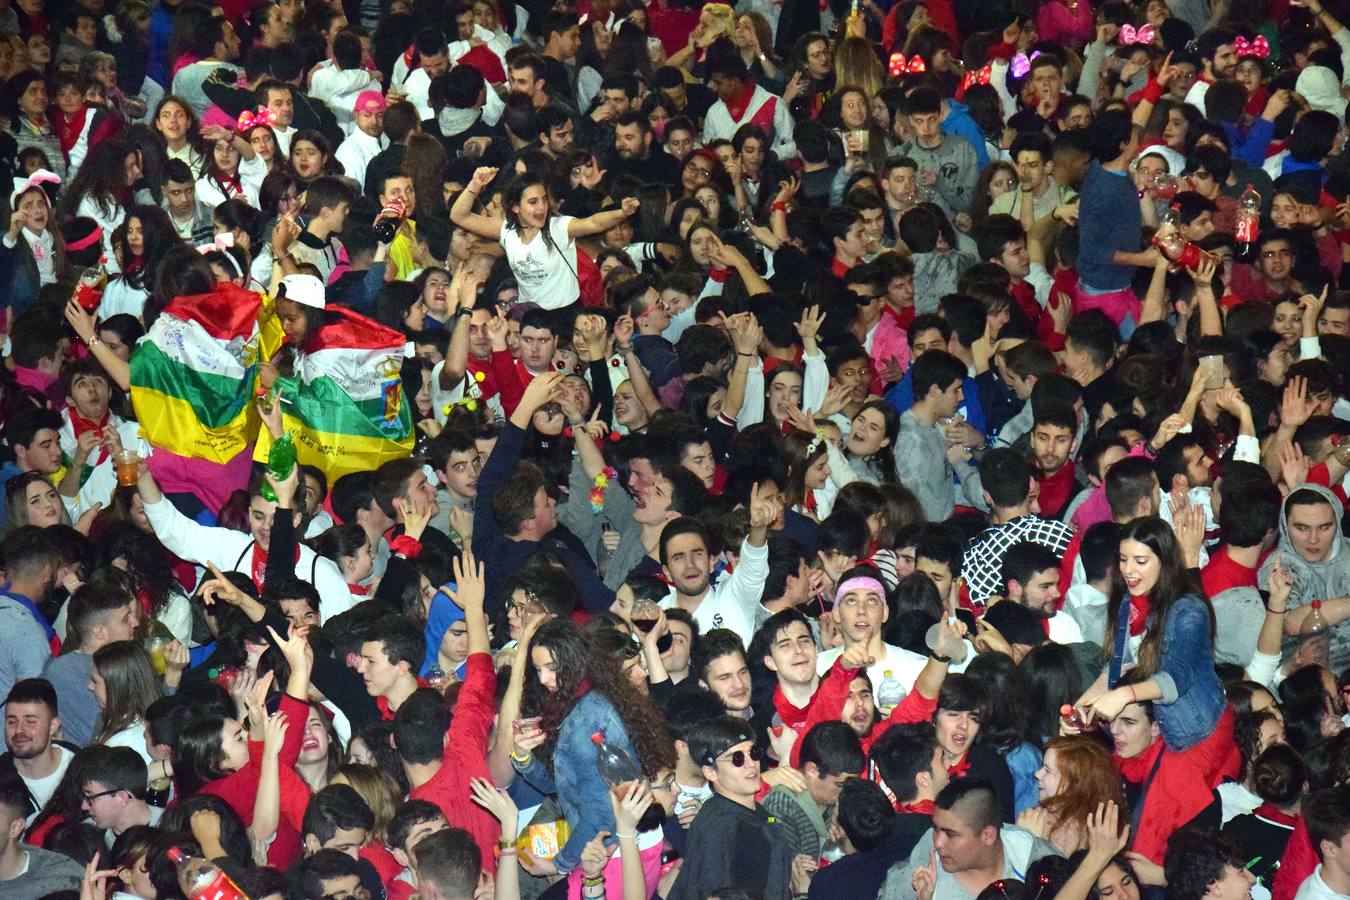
column 200, row 879
column 615, row 765
column 1248, row 227
column 890, row 693
column 1315, row 637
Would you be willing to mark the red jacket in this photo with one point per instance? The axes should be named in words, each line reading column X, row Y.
column 239, row 789
column 465, row 758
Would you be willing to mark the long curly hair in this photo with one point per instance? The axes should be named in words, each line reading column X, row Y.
column 582, row 668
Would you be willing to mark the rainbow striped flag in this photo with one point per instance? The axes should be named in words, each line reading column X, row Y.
column 194, row 372
column 345, row 405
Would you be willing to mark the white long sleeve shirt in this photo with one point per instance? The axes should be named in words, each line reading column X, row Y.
column 734, row 601
column 231, row 551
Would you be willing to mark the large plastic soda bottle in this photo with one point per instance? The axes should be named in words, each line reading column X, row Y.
column 89, row 291
column 1315, row 637
column 200, row 879
column 615, row 765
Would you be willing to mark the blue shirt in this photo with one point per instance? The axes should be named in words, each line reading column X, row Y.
column 902, row 398
column 1108, row 221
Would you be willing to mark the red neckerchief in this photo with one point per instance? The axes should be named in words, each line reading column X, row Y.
column 259, row 566
column 68, row 129
column 918, row 807
column 358, row 590
column 1136, row 769
column 738, row 106
column 717, row 275
column 793, row 717
column 1273, row 813
column 904, row 318
column 80, row 425
column 961, row 767
column 837, row 267
column 382, row 702
column 1139, row 610
column 230, row 187
column 809, row 501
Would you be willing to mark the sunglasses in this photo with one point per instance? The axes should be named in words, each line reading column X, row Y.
column 738, row 758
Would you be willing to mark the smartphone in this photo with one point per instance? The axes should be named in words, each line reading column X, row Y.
column 1212, row 367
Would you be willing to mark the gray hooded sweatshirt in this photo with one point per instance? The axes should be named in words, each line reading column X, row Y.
column 1322, row 580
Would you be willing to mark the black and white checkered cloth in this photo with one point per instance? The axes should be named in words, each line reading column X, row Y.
column 984, row 553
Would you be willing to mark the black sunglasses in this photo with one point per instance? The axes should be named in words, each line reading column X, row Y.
column 737, row 759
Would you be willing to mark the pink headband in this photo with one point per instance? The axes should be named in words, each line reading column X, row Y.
column 859, row 582
column 88, row 240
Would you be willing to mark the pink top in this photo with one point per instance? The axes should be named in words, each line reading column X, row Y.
column 1056, row 22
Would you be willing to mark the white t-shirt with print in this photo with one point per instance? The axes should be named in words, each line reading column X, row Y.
column 545, row 270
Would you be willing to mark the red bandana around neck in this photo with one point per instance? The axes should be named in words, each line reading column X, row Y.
column 258, row 569
column 79, row 424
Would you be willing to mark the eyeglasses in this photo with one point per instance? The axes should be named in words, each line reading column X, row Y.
column 90, row 798
column 738, row 758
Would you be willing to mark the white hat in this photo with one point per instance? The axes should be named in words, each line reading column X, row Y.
column 1322, row 89
column 305, row 290
column 1176, row 163
column 24, row 185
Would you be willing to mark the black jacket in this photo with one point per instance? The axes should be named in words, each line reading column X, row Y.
column 731, row 846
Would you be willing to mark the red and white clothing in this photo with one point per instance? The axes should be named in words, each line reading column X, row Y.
column 756, row 106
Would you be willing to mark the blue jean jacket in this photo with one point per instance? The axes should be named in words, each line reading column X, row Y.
column 1192, row 697
column 575, row 780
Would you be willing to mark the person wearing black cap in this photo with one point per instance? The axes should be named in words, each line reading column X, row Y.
column 733, row 842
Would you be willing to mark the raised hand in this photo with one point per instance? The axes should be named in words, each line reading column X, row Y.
column 542, row 389
column 808, row 326
column 274, row 732
column 595, row 855
column 470, row 585
column 924, row 878
column 1294, row 466
column 497, row 802
column 1296, row 406
column 856, row 657
column 629, row 811
column 803, row 866
column 629, row 205
column 1281, row 582
column 1105, row 836
column 482, row 177
column 763, row 511
column 94, row 883
column 294, row 646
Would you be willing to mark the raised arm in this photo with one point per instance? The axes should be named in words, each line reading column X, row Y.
column 462, row 214
column 726, row 255
column 82, row 323
column 602, row 221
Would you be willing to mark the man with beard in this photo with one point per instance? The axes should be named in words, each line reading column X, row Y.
column 733, row 602
column 31, row 726
column 1030, row 577
column 1052, row 444
column 1218, row 59
column 636, row 151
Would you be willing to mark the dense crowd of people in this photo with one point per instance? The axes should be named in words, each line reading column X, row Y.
column 473, row 449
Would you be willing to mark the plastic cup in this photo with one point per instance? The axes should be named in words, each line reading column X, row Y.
column 861, row 135
column 128, row 466
column 157, row 646
column 940, row 641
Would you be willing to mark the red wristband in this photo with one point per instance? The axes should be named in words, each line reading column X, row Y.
column 405, row 546
column 1152, row 92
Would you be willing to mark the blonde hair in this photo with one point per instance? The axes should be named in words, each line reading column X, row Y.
column 723, row 18
column 378, row 789
column 856, row 63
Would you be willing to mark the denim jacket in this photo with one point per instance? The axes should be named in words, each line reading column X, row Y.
column 575, row 780
column 1192, row 698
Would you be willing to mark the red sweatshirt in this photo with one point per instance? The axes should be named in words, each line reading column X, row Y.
column 828, row 706
column 239, row 789
column 465, row 758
